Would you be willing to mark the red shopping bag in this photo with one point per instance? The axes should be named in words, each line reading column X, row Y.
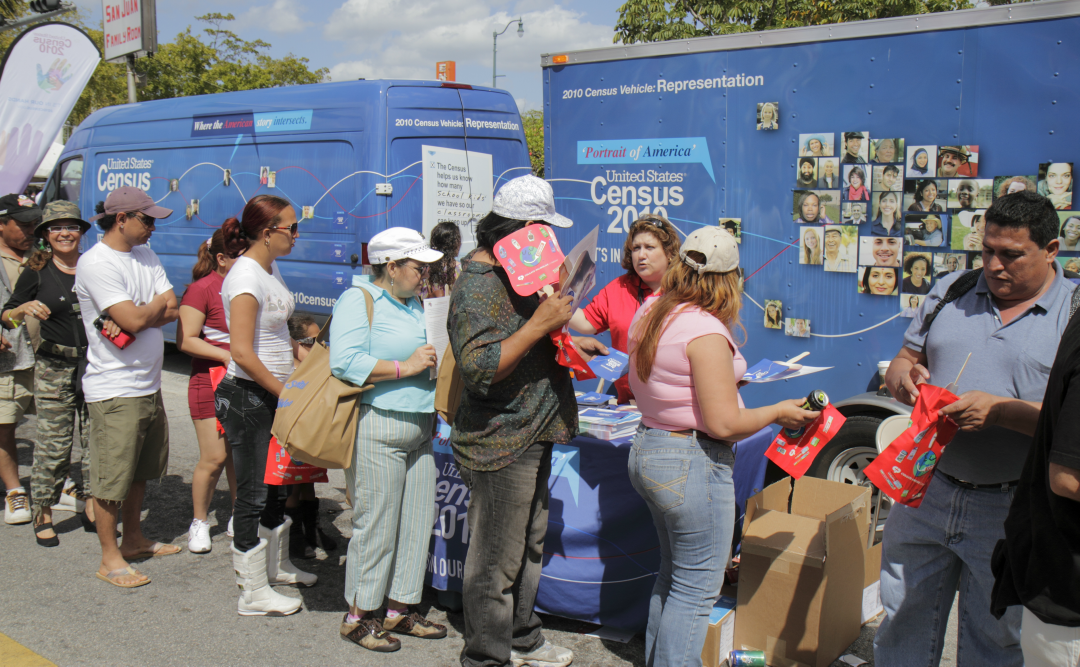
column 282, row 469
column 905, row 468
column 217, row 374
column 794, row 451
column 568, row 356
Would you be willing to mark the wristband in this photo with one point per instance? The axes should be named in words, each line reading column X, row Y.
column 15, row 323
column 397, row 367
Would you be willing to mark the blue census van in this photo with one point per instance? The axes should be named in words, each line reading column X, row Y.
column 673, row 128
column 354, row 158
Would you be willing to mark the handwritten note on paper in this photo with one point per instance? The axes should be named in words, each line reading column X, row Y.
column 436, row 311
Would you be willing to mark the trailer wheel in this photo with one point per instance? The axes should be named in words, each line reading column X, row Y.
column 847, row 455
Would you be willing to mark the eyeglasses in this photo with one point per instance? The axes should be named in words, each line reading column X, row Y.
column 291, row 228
column 306, row 342
column 60, row 229
column 422, row 269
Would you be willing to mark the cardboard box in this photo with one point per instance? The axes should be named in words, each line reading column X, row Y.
column 871, row 600
column 802, row 574
column 720, row 637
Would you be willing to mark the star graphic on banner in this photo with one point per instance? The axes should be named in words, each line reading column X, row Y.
column 566, row 463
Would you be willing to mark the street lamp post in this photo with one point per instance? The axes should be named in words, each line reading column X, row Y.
column 495, row 46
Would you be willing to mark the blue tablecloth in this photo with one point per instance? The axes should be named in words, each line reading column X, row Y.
column 601, row 554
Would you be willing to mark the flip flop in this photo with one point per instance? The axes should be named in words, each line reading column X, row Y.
column 111, row 577
column 156, row 550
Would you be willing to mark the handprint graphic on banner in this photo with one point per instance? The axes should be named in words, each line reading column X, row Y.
column 53, row 79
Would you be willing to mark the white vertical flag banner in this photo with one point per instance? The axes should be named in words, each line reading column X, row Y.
column 43, row 75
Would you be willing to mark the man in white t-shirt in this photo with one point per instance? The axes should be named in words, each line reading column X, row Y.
column 125, row 299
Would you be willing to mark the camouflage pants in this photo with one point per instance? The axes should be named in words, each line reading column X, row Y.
column 57, row 412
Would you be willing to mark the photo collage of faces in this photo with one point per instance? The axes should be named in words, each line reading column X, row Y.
column 900, row 216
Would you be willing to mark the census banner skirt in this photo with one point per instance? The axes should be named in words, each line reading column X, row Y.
column 450, row 534
column 601, row 553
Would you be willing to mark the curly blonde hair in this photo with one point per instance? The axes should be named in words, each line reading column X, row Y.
column 659, row 227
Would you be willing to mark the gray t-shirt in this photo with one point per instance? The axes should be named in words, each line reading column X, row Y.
column 1012, row 361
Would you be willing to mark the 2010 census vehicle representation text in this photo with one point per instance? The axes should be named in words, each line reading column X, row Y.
column 354, row 158
column 772, row 134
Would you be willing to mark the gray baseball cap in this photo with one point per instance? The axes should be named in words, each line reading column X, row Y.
column 528, row 198
column 720, row 248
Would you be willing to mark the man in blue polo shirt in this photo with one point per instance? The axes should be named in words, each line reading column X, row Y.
column 1011, row 323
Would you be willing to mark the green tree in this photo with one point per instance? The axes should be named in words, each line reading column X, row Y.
column 658, row 20
column 533, row 124
column 215, row 60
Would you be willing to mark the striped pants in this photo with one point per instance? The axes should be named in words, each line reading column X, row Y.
column 392, row 478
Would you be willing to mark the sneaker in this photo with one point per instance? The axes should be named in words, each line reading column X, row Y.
column 228, row 531
column 71, row 499
column 368, row 632
column 199, row 537
column 17, row 507
column 412, row 623
column 548, row 655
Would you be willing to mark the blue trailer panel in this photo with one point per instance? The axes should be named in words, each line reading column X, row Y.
column 670, row 128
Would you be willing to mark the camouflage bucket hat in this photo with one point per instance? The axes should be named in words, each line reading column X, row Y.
column 57, row 211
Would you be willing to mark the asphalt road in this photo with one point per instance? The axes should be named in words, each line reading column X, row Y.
column 52, row 604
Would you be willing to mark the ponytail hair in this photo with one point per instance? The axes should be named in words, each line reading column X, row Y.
column 719, row 294
column 260, row 213
column 207, row 263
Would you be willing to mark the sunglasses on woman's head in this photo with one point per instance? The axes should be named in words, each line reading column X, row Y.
column 655, row 222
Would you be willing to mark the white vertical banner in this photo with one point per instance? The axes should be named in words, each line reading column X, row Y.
column 43, row 74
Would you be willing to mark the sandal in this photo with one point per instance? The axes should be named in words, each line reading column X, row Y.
column 112, row 576
column 156, row 549
column 53, row 541
column 368, row 633
column 415, row 625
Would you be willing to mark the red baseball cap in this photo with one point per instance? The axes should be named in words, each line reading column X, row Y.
column 127, row 200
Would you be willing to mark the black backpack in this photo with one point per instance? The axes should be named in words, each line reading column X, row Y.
column 966, row 283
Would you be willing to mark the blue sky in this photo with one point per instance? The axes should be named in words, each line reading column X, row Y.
column 405, row 38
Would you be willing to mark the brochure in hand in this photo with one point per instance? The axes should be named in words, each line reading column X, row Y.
column 612, row 367
column 772, row 371
column 593, row 398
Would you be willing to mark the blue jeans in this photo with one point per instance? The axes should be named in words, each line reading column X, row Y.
column 508, row 521
column 929, row 553
column 686, row 482
column 246, row 412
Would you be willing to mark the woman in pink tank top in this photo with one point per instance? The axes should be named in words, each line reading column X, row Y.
column 684, row 371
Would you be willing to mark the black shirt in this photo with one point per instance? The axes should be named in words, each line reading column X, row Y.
column 55, row 289
column 1038, row 563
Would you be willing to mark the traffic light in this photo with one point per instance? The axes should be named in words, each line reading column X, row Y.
column 44, row 6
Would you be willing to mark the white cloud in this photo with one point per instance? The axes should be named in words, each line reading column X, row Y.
column 282, row 17
column 405, row 38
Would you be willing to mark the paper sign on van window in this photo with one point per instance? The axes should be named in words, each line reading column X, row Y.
column 457, row 188
column 531, row 257
column 232, row 124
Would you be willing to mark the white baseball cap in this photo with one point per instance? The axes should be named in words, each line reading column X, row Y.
column 719, row 247
column 528, row 198
column 399, row 243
